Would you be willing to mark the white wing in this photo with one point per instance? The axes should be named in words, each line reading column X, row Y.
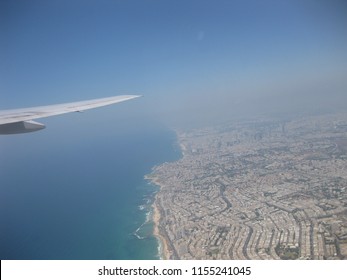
column 20, row 120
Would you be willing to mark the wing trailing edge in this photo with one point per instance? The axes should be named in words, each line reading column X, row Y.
column 21, row 120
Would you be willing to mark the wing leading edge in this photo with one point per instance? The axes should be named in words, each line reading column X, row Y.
column 21, row 120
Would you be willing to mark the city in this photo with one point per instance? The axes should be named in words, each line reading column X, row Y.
column 263, row 189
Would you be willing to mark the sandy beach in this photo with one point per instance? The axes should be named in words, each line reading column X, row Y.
column 164, row 252
column 165, row 249
column 163, row 246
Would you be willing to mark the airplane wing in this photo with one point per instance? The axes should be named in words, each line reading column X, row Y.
column 21, row 120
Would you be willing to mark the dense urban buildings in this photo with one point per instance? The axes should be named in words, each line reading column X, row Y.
column 263, row 189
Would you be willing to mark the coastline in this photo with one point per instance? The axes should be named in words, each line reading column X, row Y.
column 165, row 249
column 163, row 245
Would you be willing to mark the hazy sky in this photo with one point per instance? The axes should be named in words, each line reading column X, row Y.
column 194, row 61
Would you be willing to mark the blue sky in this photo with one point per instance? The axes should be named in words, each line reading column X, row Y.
column 190, row 59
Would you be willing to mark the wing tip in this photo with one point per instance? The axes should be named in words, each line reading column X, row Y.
column 133, row 96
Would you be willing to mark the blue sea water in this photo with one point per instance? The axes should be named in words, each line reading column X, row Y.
column 81, row 199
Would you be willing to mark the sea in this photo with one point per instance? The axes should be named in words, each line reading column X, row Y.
column 85, row 197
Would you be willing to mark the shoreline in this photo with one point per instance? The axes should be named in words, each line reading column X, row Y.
column 163, row 246
column 163, row 250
